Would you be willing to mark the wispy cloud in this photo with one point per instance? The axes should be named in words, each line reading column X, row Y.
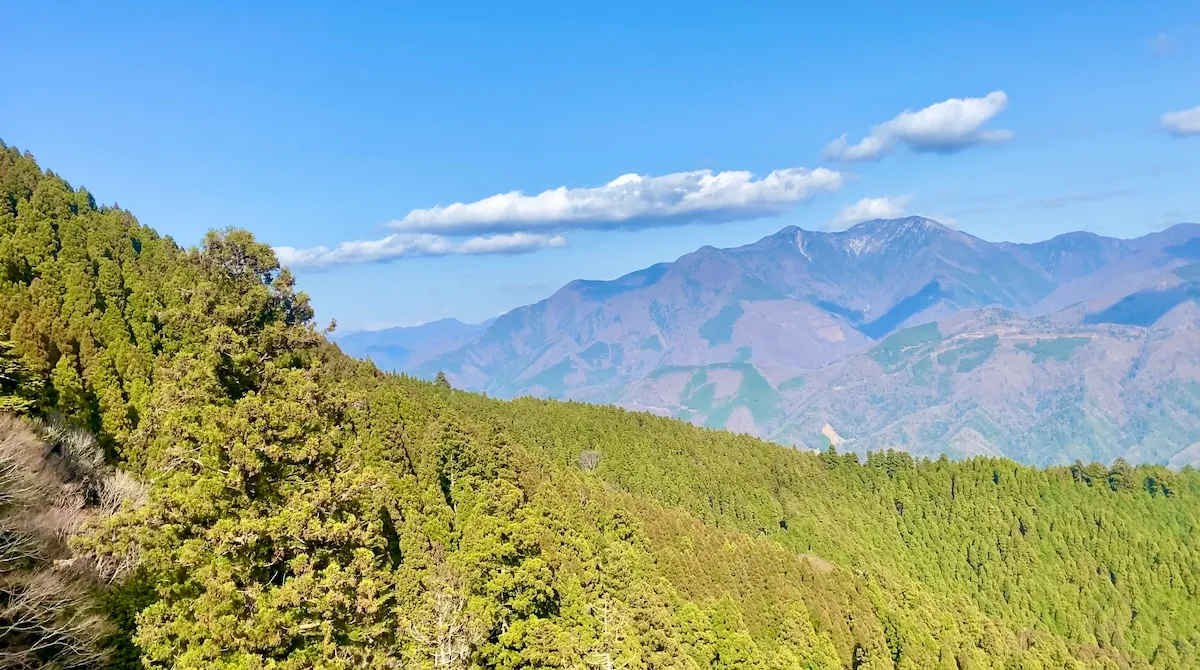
column 630, row 201
column 1065, row 199
column 946, row 220
column 1172, row 217
column 1183, row 123
column 867, row 209
column 412, row 245
column 525, row 286
column 945, row 127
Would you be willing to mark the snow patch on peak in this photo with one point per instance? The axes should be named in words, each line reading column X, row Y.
column 876, row 236
column 800, row 245
column 857, row 244
column 863, row 239
column 895, row 227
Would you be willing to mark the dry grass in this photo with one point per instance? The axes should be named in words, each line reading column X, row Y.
column 53, row 482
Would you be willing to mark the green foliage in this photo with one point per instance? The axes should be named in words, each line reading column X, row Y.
column 651, row 343
column 1058, row 348
column 19, row 390
column 305, row 510
column 698, row 397
column 595, row 354
column 792, row 384
column 550, row 381
column 1015, row 547
column 719, row 329
column 755, row 289
column 664, row 370
column 898, row 346
column 970, row 355
column 754, row 394
column 1189, row 272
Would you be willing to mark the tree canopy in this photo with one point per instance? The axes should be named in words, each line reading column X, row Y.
column 301, row 509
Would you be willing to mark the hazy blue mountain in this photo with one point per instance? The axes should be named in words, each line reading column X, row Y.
column 994, row 383
column 1072, row 255
column 397, row 349
column 881, row 274
column 745, row 338
column 1144, row 265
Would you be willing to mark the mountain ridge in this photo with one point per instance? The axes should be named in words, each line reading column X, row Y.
column 745, row 321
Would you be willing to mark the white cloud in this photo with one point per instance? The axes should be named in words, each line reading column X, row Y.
column 1067, row 199
column 1182, row 123
column 947, row 221
column 868, row 209
column 629, row 201
column 410, row 245
column 944, row 127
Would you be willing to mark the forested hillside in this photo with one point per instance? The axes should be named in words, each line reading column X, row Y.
column 259, row 500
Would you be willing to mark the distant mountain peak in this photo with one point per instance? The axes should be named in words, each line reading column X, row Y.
column 1077, row 235
column 869, row 237
column 1187, row 227
column 894, row 226
column 872, row 227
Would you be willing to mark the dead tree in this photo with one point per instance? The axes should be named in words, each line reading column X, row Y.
column 589, row 460
column 52, row 481
column 445, row 630
column 611, row 635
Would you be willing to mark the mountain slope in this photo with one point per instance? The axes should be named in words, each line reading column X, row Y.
column 823, row 286
column 303, row 509
column 826, row 506
column 725, row 337
column 883, row 273
column 396, row 349
column 1142, row 264
column 993, row 383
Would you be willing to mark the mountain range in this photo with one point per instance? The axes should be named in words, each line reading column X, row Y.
column 403, row 347
column 894, row 333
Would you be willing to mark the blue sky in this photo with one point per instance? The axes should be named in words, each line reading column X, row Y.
column 314, row 125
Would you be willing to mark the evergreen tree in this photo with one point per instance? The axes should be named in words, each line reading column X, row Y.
column 19, row 391
column 303, row 509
